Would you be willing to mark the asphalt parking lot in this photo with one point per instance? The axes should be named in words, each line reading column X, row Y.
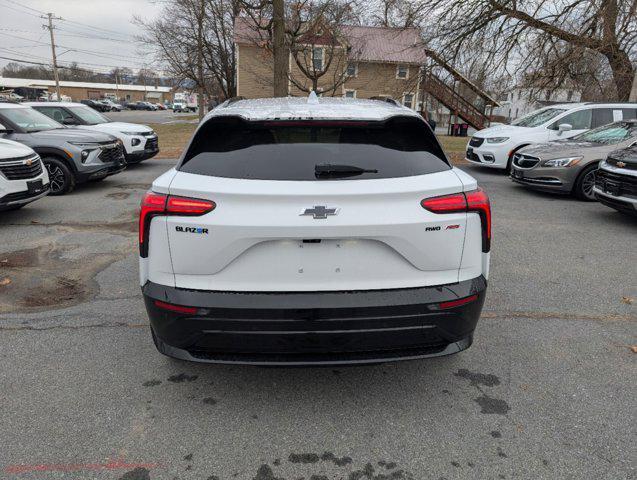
column 145, row 116
column 547, row 391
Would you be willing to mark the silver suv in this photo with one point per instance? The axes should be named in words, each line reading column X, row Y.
column 70, row 155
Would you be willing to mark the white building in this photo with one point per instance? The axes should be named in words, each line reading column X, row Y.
column 521, row 100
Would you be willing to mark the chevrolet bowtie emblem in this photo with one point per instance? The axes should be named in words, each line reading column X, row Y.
column 28, row 162
column 320, row 212
column 621, row 164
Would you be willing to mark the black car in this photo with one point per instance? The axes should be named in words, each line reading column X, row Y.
column 100, row 107
column 616, row 181
column 140, row 106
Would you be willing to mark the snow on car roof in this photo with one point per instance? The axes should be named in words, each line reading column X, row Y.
column 287, row 108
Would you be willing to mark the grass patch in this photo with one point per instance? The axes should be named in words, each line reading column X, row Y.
column 455, row 148
column 173, row 137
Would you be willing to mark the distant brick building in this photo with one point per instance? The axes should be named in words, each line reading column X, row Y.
column 367, row 62
column 32, row 89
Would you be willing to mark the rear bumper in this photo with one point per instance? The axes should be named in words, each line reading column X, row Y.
column 314, row 328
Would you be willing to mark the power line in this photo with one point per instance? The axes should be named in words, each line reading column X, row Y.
column 80, row 24
column 73, row 49
column 71, row 34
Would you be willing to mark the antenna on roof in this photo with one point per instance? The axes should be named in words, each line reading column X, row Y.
column 312, row 98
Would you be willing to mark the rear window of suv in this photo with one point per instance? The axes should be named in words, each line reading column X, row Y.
column 291, row 150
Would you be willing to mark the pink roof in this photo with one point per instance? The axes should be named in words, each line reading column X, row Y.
column 368, row 44
column 383, row 44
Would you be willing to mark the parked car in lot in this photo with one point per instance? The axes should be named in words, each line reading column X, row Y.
column 160, row 106
column 315, row 231
column 112, row 106
column 616, row 181
column 569, row 166
column 70, row 155
column 141, row 106
column 95, row 105
column 23, row 178
column 495, row 146
column 140, row 141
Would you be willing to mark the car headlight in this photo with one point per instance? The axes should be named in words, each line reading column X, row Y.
column 562, row 162
column 132, row 133
column 497, row 139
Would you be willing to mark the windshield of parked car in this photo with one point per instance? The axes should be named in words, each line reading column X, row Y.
column 609, row 134
column 314, row 150
column 88, row 115
column 28, row 119
column 539, row 117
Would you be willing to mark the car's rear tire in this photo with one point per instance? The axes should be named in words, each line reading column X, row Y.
column 61, row 177
column 583, row 188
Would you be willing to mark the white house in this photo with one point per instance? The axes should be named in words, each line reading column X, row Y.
column 522, row 100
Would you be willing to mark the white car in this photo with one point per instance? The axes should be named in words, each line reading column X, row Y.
column 22, row 176
column 494, row 146
column 318, row 231
column 140, row 141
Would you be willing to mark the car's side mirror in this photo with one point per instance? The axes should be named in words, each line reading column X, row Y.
column 5, row 130
column 564, row 127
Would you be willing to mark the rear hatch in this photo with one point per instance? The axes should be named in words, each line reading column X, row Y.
column 315, row 206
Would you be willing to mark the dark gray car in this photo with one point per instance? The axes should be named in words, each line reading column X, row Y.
column 70, row 155
column 569, row 166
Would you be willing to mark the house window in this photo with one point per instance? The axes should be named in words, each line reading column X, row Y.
column 408, row 100
column 402, row 71
column 317, row 59
column 352, row 69
column 350, row 94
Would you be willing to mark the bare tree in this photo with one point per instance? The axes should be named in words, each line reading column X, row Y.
column 268, row 20
column 313, row 39
column 541, row 32
column 193, row 39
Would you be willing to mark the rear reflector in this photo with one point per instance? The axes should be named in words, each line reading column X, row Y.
column 155, row 204
column 474, row 201
column 176, row 308
column 457, row 303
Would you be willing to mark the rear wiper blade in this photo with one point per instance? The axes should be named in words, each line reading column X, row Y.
column 328, row 169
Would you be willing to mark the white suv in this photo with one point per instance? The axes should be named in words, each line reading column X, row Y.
column 314, row 231
column 494, row 146
column 22, row 177
column 140, row 141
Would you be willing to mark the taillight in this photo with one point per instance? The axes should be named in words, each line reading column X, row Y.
column 154, row 204
column 188, row 206
column 474, row 201
column 478, row 201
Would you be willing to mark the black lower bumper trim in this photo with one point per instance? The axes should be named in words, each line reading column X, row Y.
column 137, row 157
column 617, row 203
column 317, row 328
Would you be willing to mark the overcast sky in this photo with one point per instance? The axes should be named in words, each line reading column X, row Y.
column 84, row 21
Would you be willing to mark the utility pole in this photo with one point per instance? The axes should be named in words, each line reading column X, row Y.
column 200, row 79
column 50, row 26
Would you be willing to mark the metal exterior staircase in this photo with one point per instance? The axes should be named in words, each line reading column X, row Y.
column 455, row 102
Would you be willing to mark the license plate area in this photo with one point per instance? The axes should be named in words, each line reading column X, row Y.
column 519, row 174
column 35, row 186
column 612, row 188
